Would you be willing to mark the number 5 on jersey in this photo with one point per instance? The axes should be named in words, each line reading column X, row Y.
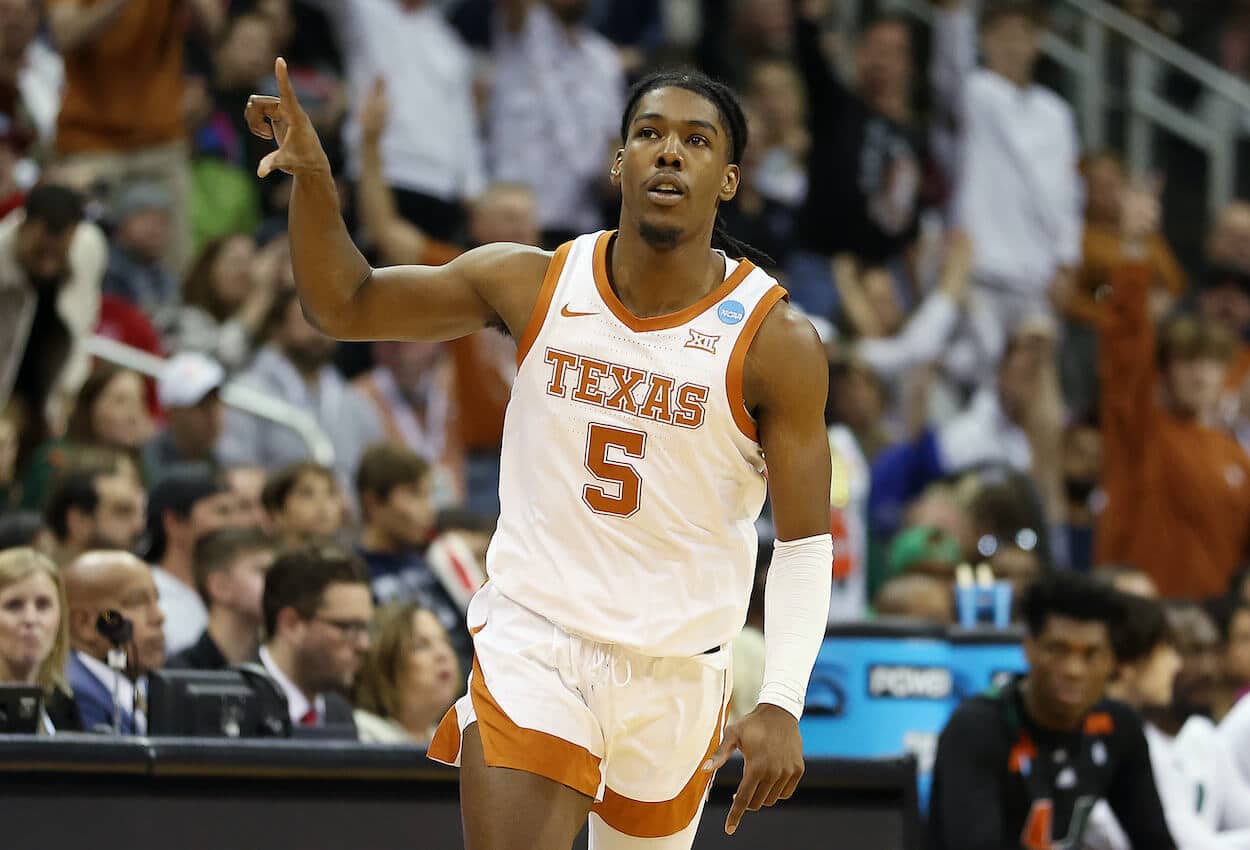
column 623, row 498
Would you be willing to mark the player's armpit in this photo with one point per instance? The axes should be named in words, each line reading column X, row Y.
column 785, row 384
column 446, row 302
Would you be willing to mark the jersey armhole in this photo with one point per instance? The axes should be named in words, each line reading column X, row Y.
column 541, row 307
column 738, row 359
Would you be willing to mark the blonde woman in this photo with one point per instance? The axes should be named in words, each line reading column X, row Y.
column 34, row 634
column 409, row 679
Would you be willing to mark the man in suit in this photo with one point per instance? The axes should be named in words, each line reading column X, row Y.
column 229, row 567
column 112, row 580
column 317, row 609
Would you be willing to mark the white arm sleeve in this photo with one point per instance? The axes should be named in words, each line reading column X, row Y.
column 796, row 608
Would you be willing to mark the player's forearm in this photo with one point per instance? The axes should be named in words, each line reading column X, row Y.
column 73, row 25
column 329, row 268
column 796, row 609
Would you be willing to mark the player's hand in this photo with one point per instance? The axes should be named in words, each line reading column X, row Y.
column 773, row 753
column 285, row 121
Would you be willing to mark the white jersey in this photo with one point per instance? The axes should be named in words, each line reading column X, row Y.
column 632, row 476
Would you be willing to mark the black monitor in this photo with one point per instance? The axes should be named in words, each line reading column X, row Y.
column 20, row 709
column 205, row 703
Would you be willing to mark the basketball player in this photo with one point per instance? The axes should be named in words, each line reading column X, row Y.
column 655, row 375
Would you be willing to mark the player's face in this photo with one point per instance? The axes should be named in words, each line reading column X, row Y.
column 674, row 169
column 1069, row 664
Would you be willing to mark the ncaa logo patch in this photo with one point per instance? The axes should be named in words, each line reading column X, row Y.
column 731, row 312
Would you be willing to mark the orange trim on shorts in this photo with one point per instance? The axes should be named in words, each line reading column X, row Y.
column 506, row 744
column 642, row 819
column 541, row 307
column 445, row 745
column 738, row 359
column 669, row 320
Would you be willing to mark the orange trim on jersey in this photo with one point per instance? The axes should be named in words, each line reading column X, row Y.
column 445, row 745
column 738, row 359
column 545, row 293
column 642, row 819
column 669, row 320
column 506, row 744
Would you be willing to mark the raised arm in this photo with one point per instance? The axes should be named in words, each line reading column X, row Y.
column 397, row 239
column 338, row 289
column 785, row 383
column 75, row 22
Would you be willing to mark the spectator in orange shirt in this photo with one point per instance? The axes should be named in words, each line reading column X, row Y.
column 1178, row 488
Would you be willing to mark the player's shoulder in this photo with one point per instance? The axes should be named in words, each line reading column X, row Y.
column 787, row 335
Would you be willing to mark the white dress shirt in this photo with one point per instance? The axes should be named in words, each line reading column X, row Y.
column 123, row 687
column 1235, row 735
column 1206, row 804
column 186, row 617
column 555, row 116
column 983, row 434
column 431, row 140
column 296, row 702
column 1013, row 154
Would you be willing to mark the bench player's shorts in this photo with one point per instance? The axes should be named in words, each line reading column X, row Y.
column 628, row 730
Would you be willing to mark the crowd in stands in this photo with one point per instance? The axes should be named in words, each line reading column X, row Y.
column 1038, row 360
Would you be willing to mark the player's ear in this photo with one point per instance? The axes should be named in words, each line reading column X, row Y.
column 729, row 185
column 615, row 173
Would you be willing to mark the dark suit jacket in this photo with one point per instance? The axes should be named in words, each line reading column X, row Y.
column 95, row 701
column 63, row 712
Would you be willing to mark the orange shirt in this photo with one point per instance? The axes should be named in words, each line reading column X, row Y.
column 1101, row 254
column 1178, row 492
column 123, row 87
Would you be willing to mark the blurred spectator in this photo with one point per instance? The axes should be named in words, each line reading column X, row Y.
column 759, row 221
column 1082, row 498
column 112, row 581
column 10, row 491
column 1127, row 580
column 848, row 504
column 189, row 392
column 943, row 507
column 317, row 611
column 247, row 483
column 1198, row 642
column 865, row 167
column 431, row 151
column 393, row 485
column 1205, row 801
column 25, row 529
column 141, row 216
column 1011, row 528
column 183, row 508
column 738, row 33
column 918, row 597
column 409, row 678
column 780, row 141
column 295, row 366
column 110, row 412
column 556, row 83
column 230, row 566
column 410, row 388
column 1232, row 620
column 34, row 634
column 1224, row 291
column 920, row 550
column 98, row 509
column 31, row 78
column 998, row 755
column 120, row 118
column 242, row 63
column 51, row 264
column 1011, row 148
column 226, row 296
column 1178, row 488
column 302, row 504
column 858, row 400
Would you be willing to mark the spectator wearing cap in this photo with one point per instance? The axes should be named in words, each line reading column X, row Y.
column 141, row 235
column 296, row 367
column 1012, row 150
column 181, row 510
column 51, row 265
column 317, row 609
column 1177, row 484
column 120, row 118
column 189, row 392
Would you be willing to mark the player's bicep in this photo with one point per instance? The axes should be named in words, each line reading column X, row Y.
column 450, row 301
column 787, row 382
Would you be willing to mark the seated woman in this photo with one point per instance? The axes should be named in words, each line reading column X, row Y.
column 409, row 679
column 34, row 634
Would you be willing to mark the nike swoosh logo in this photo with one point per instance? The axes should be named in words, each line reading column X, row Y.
column 567, row 313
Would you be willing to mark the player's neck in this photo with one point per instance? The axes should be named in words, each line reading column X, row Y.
column 652, row 282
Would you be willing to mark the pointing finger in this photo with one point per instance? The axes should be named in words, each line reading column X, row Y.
column 285, row 89
column 746, row 790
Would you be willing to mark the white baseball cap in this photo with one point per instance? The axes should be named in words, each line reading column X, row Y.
column 187, row 378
